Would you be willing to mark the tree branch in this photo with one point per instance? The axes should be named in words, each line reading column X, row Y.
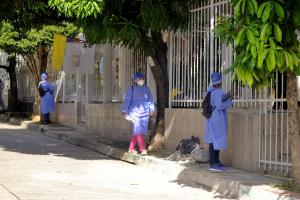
column 4, row 67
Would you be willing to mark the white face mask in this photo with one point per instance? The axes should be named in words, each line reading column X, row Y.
column 141, row 82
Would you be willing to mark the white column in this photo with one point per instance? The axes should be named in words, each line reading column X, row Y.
column 107, row 84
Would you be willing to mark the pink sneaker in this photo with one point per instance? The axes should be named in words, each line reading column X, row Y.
column 132, row 151
column 144, row 152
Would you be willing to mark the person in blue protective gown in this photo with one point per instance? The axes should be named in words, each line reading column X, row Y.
column 137, row 107
column 47, row 101
column 216, row 125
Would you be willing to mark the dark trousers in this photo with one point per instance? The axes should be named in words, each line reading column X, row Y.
column 45, row 118
column 213, row 154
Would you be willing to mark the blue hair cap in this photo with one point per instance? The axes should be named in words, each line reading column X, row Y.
column 216, row 78
column 138, row 75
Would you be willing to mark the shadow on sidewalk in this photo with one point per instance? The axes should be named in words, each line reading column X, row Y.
column 30, row 142
column 197, row 175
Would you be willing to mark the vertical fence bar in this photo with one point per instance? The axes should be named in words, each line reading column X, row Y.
column 276, row 120
column 265, row 132
column 201, row 65
column 170, row 60
column 287, row 142
column 64, row 87
column 270, row 131
column 281, row 122
column 198, row 76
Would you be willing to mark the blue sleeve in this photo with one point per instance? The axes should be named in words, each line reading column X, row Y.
column 217, row 99
column 127, row 100
column 151, row 102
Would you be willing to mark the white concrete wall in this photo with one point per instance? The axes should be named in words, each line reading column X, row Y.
column 243, row 134
column 243, row 130
column 106, row 120
column 65, row 114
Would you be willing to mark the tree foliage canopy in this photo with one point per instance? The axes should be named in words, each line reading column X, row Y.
column 29, row 24
column 262, row 33
column 126, row 21
column 14, row 42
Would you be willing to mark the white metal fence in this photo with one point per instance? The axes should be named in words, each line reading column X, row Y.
column 114, row 66
column 274, row 152
column 196, row 53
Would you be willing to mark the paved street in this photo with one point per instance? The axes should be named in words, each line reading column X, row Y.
column 36, row 167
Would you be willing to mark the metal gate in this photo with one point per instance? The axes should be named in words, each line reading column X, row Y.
column 195, row 53
column 274, row 152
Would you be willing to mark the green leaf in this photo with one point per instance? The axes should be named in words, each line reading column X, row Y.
column 251, row 63
column 295, row 58
column 296, row 18
column 278, row 33
column 263, row 32
column 280, row 59
column 289, row 60
column 253, row 51
column 268, row 32
column 261, row 9
column 239, row 37
column 260, row 48
column 279, row 10
column 250, row 36
column 255, row 5
column 249, row 77
column 250, row 7
column 254, row 30
column 255, row 76
column 272, row 43
column 271, row 63
column 243, row 6
column 244, row 60
column 266, row 13
column 240, row 72
column 237, row 8
column 261, row 58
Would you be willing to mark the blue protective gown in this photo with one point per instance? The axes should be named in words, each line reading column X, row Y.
column 47, row 101
column 216, row 126
column 138, row 104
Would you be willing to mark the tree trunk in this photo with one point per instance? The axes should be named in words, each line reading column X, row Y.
column 293, row 124
column 13, row 93
column 41, row 66
column 37, row 64
column 160, row 73
column 42, row 55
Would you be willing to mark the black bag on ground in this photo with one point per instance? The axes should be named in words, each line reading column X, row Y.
column 186, row 146
column 207, row 109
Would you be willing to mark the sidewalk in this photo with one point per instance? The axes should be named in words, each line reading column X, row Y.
column 233, row 183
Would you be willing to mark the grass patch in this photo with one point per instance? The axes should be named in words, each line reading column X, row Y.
column 289, row 186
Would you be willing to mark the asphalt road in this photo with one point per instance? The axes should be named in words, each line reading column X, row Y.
column 36, row 167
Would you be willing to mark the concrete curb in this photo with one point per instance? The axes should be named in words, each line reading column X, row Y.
column 224, row 183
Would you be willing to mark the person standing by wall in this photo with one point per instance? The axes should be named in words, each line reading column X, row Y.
column 47, row 98
column 137, row 107
column 216, row 125
column 2, row 104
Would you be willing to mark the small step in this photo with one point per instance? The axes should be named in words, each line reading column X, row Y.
column 56, row 127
